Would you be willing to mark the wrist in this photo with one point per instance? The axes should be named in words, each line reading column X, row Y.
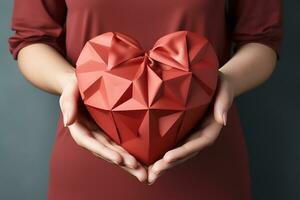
column 230, row 80
column 228, row 84
column 66, row 78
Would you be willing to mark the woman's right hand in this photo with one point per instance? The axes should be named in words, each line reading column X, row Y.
column 86, row 133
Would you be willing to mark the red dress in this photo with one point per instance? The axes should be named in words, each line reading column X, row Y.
column 219, row 172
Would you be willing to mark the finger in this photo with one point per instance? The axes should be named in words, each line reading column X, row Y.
column 222, row 103
column 128, row 159
column 83, row 138
column 155, row 170
column 162, row 166
column 194, row 144
column 100, row 137
column 184, row 150
column 140, row 172
column 110, row 161
column 198, row 141
column 158, row 169
column 221, row 106
column 69, row 103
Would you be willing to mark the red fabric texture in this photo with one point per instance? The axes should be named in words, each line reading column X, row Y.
column 221, row 171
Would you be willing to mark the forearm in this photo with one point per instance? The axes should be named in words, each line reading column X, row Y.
column 45, row 68
column 251, row 65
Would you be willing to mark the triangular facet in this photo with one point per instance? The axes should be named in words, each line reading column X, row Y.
column 166, row 122
column 95, row 95
column 89, row 54
column 128, row 123
column 155, row 86
column 101, row 50
column 115, row 87
column 130, row 104
column 197, row 95
column 179, row 87
column 190, row 119
column 128, row 70
column 109, row 126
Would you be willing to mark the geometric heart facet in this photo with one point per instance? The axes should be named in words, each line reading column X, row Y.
column 147, row 101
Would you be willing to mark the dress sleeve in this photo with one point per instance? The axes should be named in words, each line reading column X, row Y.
column 38, row 21
column 256, row 21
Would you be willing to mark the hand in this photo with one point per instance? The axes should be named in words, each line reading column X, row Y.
column 87, row 134
column 205, row 134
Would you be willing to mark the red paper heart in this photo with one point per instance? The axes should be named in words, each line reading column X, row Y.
column 146, row 101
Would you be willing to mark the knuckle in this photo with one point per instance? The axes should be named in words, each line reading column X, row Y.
column 131, row 158
column 169, row 156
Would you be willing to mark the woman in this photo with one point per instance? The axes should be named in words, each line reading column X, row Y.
column 49, row 35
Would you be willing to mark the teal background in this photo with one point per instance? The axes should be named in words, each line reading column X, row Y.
column 270, row 116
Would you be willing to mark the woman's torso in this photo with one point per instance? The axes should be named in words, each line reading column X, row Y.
column 146, row 21
column 220, row 172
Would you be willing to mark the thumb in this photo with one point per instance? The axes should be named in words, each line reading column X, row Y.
column 222, row 103
column 69, row 103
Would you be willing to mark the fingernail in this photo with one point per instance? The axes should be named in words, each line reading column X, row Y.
column 116, row 162
column 142, row 179
column 224, row 118
column 151, row 179
column 150, row 183
column 66, row 116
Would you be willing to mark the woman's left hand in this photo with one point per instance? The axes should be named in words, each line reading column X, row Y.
column 207, row 133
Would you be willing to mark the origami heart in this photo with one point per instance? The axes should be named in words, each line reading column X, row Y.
column 147, row 101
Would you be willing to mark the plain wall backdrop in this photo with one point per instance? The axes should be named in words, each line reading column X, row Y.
column 270, row 116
